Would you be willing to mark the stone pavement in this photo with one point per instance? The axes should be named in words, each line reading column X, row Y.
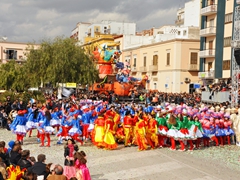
column 128, row 163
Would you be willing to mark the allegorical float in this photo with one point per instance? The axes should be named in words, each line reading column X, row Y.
column 114, row 76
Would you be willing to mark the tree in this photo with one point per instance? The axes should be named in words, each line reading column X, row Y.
column 59, row 61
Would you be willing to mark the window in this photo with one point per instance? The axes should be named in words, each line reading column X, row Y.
column 227, row 41
column 226, row 65
column 228, row 18
column 209, row 66
column 179, row 33
column 145, row 61
column 154, row 73
column 134, row 62
column 155, row 60
column 184, row 32
column 168, row 59
column 194, row 58
column 11, row 54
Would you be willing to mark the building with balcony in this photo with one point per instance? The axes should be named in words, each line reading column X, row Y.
column 170, row 65
column 189, row 15
column 14, row 51
column 216, row 35
column 80, row 32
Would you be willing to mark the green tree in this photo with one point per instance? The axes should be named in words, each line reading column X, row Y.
column 59, row 61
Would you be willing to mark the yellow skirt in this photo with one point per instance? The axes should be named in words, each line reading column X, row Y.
column 99, row 134
column 109, row 141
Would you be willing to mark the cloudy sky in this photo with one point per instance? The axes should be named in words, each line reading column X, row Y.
column 33, row 20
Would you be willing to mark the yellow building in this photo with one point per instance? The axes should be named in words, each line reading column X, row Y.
column 171, row 65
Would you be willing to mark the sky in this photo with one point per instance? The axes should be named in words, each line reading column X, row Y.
column 34, row 20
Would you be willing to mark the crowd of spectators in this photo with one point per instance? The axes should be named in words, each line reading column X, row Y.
column 32, row 169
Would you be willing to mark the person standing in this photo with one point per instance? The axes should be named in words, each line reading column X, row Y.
column 69, row 151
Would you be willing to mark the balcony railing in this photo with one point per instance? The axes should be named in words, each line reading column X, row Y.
column 210, row 31
column 206, row 75
column 193, row 67
column 179, row 21
column 209, row 10
column 134, row 69
column 153, row 68
column 143, row 69
column 207, row 53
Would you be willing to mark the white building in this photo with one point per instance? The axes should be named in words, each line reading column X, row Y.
column 189, row 15
column 80, row 32
column 83, row 30
column 112, row 27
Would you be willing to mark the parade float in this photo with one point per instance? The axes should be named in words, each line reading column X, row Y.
column 114, row 76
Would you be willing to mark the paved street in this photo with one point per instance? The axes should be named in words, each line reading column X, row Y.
column 128, row 163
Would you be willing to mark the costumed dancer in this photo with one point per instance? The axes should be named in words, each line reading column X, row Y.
column 141, row 133
column 65, row 127
column 99, row 130
column 46, row 129
column 85, row 122
column 56, row 121
column 75, row 131
column 172, row 131
column 108, row 140
column 32, row 119
column 93, row 117
column 18, row 126
column 127, row 126
column 227, row 128
column 151, row 134
column 162, row 127
column 198, row 131
column 69, row 151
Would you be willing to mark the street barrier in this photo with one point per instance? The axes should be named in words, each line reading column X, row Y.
column 217, row 97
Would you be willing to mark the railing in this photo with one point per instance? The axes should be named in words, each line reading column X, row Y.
column 211, row 9
column 193, row 67
column 143, row 69
column 153, row 68
column 207, row 53
column 133, row 69
column 206, row 75
column 210, row 31
column 179, row 21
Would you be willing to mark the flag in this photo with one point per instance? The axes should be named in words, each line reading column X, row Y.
column 66, row 92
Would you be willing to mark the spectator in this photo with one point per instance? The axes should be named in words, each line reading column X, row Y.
column 3, row 172
column 4, row 156
column 39, row 167
column 29, row 176
column 57, row 173
column 24, row 161
column 15, row 154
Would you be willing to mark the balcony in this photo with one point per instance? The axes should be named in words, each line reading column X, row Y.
column 193, row 67
column 179, row 22
column 153, row 68
column 207, row 53
column 143, row 69
column 210, row 31
column 209, row 10
column 206, row 75
column 134, row 69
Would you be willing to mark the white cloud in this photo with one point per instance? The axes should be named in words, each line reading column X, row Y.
column 45, row 15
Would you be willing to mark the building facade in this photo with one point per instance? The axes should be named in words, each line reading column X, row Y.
column 80, row 32
column 189, row 15
column 216, row 35
column 14, row 51
column 170, row 65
